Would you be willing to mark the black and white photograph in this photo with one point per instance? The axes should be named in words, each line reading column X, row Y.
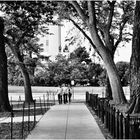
column 70, row 69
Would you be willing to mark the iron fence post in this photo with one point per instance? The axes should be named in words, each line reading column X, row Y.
column 117, row 124
column 41, row 105
column 127, row 127
column 34, row 112
column 114, row 123
column 22, row 128
column 44, row 103
column 12, row 115
column 120, row 125
column 29, row 117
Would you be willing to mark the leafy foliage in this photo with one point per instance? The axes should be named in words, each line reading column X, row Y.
column 81, row 54
column 64, row 69
column 24, row 21
column 123, row 70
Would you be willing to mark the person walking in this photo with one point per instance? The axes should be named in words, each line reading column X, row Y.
column 65, row 94
column 69, row 93
column 60, row 94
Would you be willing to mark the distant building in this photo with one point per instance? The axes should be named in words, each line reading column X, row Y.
column 58, row 40
column 52, row 42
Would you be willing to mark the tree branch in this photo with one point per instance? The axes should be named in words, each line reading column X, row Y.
column 14, row 50
column 79, row 10
column 128, row 33
column 125, row 18
column 92, row 16
column 120, row 34
column 81, row 30
column 8, row 42
column 21, row 39
column 111, row 13
column 107, row 37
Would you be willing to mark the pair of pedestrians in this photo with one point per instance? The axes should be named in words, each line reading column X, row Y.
column 64, row 94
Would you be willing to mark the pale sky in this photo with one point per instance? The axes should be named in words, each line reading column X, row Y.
column 123, row 53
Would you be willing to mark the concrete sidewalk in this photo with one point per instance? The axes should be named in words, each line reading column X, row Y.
column 70, row 121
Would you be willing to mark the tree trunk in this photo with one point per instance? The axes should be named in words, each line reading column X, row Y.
column 135, row 64
column 4, row 100
column 114, row 79
column 25, row 74
column 108, row 91
column 27, row 84
column 115, row 82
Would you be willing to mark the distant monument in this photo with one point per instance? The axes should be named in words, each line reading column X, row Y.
column 53, row 41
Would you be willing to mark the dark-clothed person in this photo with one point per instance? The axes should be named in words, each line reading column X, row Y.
column 60, row 94
column 69, row 93
column 65, row 94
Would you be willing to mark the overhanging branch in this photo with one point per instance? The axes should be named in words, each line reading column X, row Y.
column 14, row 50
column 81, row 30
column 92, row 15
column 111, row 13
column 79, row 10
column 120, row 34
column 21, row 38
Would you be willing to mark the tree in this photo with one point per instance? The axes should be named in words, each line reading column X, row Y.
column 4, row 100
column 24, row 22
column 99, row 21
column 14, row 74
column 81, row 54
column 135, row 64
column 63, row 70
column 93, row 73
column 78, row 71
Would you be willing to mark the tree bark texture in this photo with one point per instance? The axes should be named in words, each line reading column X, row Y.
column 114, row 79
column 4, row 100
column 27, row 84
column 108, row 91
column 135, row 64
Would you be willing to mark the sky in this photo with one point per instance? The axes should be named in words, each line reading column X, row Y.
column 123, row 53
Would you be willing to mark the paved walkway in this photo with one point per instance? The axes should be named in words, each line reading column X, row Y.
column 70, row 121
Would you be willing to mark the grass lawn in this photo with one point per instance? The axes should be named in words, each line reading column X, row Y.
column 19, row 90
column 43, row 89
column 78, row 92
